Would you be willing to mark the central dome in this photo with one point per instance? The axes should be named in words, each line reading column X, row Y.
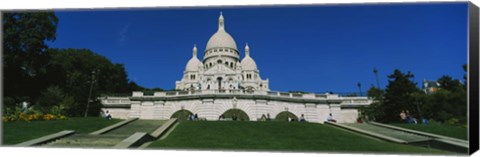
column 221, row 39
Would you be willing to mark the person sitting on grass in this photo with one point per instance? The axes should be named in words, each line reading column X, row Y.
column 108, row 115
column 263, row 118
column 190, row 117
column 302, row 118
column 403, row 116
column 411, row 119
column 195, row 117
column 424, row 121
column 330, row 118
column 222, row 117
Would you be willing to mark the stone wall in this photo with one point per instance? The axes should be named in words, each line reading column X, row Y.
column 211, row 109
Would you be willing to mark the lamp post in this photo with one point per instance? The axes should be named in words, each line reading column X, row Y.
column 360, row 88
column 375, row 71
column 90, row 93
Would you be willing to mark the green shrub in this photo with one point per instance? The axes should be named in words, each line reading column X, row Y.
column 52, row 96
column 8, row 102
column 452, row 121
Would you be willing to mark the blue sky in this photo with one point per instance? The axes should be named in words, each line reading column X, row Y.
column 309, row 48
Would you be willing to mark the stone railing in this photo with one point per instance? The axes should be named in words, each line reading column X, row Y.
column 354, row 101
column 199, row 92
column 114, row 100
column 243, row 92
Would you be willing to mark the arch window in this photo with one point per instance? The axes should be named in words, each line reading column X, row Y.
column 181, row 115
column 219, row 61
column 285, row 116
column 236, row 115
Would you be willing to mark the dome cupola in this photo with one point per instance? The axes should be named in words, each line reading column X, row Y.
column 247, row 62
column 221, row 39
column 193, row 64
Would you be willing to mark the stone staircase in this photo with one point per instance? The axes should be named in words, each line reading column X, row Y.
column 87, row 140
column 108, row 139
column 406, row 136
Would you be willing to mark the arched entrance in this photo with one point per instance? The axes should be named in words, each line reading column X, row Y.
column 283, row 116
column 181, row 115
column 241, row 115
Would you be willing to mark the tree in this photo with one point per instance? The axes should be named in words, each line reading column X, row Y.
column 464, row 66
column 376, row 110
column 25, row 58
column 399, row 95
column 76, row 66
column 449, row 102
column 446, row 82
column 50, row 97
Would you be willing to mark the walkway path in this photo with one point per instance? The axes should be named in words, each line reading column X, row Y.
column 409, row 137
column 108, row 139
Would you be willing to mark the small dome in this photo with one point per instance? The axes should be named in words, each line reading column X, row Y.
column 221, row 38
column 248, row 63
column 193, row 64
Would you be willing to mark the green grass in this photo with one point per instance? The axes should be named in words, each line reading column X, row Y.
column 440, row 129
column 20, row 131
column 283, row 136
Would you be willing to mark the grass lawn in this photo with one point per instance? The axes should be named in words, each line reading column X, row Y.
column 20, row 131
column 440, row 129
column 282, row 136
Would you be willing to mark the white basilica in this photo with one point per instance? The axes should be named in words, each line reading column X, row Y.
column 222, row 84
column 221, row 68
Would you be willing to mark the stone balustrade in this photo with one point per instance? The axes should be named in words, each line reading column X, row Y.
column 274, row 94
column 199, row 92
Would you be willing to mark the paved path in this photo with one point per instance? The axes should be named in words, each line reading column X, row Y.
column 108, row 139
column 409, row 137
column 147, row 126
